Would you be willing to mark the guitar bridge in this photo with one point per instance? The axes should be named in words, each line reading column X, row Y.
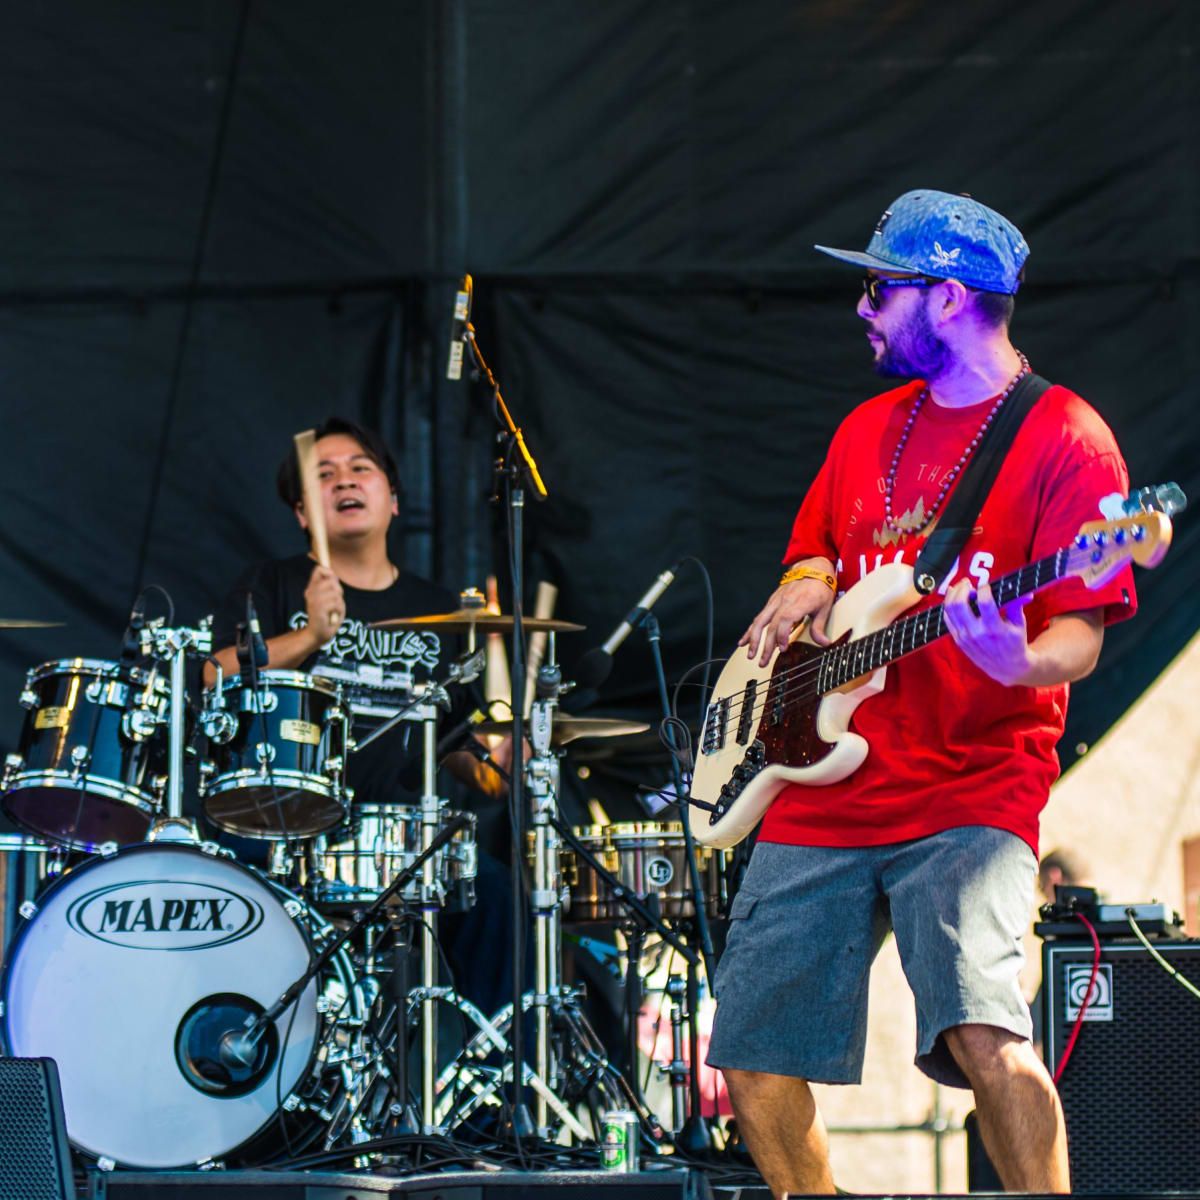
column 715, row 726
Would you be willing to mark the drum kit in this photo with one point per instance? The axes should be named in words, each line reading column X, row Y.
column 204, row 1011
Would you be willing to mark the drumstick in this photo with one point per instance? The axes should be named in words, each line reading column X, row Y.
column 314, row 511
column 306, row 456
column 497, row 682
column 543, row 606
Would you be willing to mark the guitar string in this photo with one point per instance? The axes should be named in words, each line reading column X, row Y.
column 795, row 677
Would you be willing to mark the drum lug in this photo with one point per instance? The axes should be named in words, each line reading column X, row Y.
column 28, row 699
column 106, row 1164
column 219, row 726
column 293, row 908
column 210, row 1164
column 79, row 759
column 263, row 701
column 28, row 910
column 264, row 752
column 291, row 1102
column 107, row 849
column 333, row 766
column 139, row 724
column 12, row 764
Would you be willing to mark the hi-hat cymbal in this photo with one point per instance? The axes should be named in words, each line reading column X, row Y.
column 22, row 623
column 568, row 729
column 463, row 620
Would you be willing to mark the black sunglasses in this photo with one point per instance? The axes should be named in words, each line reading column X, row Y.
column 873, row 285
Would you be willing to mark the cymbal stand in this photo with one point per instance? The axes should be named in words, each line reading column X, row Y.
column 677, row 1070
column 697, row 1136
column 423, row 710
column 542, row 775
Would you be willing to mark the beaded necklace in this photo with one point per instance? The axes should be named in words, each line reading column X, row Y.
column 956, row 470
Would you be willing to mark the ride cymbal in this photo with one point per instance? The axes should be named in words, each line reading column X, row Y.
column 463, row 620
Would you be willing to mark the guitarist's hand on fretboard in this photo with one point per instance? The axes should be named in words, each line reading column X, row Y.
column 995, row 639
column 790, row 604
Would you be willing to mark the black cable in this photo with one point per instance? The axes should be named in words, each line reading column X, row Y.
column 159, row 457
column 710, row 624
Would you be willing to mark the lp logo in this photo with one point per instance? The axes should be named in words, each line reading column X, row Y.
column 1099, row 1000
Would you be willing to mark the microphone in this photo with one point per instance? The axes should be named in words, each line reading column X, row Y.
column 594, row 667
column 458, row 327
column 131, row 647
column 455, row 737
column 252, row 650
column 239, row 1047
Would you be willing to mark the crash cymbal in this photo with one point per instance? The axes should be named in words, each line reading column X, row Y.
column 463, row 620
column 569, row 729
column 22, row 623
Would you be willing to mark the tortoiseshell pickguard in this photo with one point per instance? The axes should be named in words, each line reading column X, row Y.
column 788, row 728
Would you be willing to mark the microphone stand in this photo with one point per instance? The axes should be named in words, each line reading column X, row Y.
column 696, row 1137
column 515, row 466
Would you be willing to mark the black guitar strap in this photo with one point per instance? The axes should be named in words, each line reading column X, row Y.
column 947, row 540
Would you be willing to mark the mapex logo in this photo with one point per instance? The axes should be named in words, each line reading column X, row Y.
column 165, row 914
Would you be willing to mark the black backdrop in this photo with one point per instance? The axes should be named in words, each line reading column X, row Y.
column 222, row 219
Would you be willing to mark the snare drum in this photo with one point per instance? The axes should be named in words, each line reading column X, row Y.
column 647, row 857
column 379, row 842
column 90, row 763
column 278, row 770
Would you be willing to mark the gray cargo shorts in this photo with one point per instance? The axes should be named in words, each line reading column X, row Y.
column 808, row 921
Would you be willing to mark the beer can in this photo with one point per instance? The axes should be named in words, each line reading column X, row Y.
column 619, row 1147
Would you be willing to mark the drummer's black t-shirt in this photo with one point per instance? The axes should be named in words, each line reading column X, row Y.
column 377, row 668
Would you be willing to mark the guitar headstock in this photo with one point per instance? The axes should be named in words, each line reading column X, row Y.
column 1102, row 548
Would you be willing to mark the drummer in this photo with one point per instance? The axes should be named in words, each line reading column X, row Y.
column 318, row 620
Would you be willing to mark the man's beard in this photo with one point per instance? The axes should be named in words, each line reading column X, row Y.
column 913, row 351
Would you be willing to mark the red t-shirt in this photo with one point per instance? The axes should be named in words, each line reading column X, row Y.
column 948, row 745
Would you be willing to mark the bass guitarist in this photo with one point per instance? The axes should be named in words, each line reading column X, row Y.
column 934, row 836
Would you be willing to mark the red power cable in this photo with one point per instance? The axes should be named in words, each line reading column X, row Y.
column 1087, row 999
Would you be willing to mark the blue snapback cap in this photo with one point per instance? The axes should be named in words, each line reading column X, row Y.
column 946, row 236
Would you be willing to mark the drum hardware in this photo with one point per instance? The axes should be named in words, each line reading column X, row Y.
column 240, row 1047
column 172, row 645
column 588, row 1079
column 23, row 623
column 696, row 1136
column 676, row 1070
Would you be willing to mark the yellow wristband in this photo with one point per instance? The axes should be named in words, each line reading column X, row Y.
column 802, row 572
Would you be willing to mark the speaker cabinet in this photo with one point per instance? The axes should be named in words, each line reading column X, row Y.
column 1131, row 1089
column 35, row 1160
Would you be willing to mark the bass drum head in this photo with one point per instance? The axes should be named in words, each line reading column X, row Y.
column 127, row 976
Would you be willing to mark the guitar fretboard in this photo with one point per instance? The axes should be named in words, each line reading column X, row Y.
column 851, row 660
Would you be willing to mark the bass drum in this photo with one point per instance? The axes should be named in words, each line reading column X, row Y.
column 129, row 974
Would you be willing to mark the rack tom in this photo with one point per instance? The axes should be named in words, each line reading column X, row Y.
column 90, row 765
column 274, row 761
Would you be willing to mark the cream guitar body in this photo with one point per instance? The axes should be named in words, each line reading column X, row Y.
column 789, row 722
column 814, row 745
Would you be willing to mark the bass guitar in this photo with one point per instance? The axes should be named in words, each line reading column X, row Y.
column 789, row 722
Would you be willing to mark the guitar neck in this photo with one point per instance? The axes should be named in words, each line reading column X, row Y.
column 851, row 660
